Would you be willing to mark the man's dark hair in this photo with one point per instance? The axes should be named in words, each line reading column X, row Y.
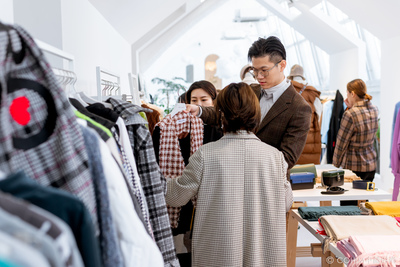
column 271, row 47
column 182, row 98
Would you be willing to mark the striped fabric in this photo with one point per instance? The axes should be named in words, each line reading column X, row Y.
column 171, row 160
column 153, row 182
column 354, row 148
column 39, row 133
column 134, row 183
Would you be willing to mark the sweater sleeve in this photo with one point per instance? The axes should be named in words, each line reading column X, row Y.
column 183, row 188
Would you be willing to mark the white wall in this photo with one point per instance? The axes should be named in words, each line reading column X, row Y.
column 6, row 11
column 41, row 19
column 94, row 42
column 390, row 95
column 76, row 27
column 344, row 67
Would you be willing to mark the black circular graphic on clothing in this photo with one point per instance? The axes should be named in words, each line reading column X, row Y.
column 15, row 84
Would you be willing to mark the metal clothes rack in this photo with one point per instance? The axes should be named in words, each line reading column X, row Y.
column 107, row 87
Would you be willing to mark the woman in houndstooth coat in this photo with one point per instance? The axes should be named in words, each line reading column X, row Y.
column 243, row 193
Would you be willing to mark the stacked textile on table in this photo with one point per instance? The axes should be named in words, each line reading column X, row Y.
column 339, row 227
column 371, row 250
column 391, row 208
column 314, row 213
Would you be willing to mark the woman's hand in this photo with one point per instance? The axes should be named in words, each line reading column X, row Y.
column 346, row 101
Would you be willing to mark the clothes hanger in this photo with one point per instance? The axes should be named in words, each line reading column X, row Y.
column 71, row 80
column 177, row 108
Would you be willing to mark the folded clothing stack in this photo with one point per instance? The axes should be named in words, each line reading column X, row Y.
column 391, row 208
column 314, row 213
column 371, row 250
column 365, row 210
column 338, row 227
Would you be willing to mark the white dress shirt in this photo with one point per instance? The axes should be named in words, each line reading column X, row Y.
column 271, row 95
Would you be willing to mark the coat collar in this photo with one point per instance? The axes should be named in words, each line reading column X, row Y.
column 128, row 112
column 279, row 106
column 361, row 103
column 241, row 134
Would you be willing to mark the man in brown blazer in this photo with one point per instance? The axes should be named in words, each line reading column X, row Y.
column 285, row 115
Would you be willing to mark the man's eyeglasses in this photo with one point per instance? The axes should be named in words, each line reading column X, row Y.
column 263, row 72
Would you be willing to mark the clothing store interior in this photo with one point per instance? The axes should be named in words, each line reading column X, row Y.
column 199, row 133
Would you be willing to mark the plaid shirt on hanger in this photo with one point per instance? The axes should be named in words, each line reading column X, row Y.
column 171, row 161
column 153, row 182
column 39, row 133
column 133, row 183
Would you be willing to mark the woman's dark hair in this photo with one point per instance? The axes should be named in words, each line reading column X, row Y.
column 239, row 108
column 205, row 85
column 359, row 87
column 182, row 98
column 271, row 47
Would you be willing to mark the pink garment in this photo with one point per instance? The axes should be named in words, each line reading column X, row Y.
column 376, row 250
column 347, row 249
column 171, row 160
column 395, row 158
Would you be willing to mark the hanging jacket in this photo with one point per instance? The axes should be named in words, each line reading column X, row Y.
column 312, row 150
column 38, row 132
column 151, row 178
column 171, row 161
column 334, row 125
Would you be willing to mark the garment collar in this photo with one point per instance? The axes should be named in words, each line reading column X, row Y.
column 128, row 111
column 361, row 103
column 240, row 135
column 277, row 90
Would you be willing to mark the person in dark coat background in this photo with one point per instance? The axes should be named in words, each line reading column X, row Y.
column 334, row 125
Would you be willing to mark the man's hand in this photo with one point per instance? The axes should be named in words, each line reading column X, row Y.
column 192, row 109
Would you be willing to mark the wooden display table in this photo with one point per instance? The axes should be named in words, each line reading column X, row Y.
column 325, row 200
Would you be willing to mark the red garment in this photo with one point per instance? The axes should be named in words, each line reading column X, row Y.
column 171, row 160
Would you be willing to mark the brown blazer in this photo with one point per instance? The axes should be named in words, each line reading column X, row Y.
column 285, row 126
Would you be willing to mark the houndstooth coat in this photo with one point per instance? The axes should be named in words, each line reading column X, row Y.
column 241, row 206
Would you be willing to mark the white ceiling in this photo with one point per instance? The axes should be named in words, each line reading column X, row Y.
column 151, row 26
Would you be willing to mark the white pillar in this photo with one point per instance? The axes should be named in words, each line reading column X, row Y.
column 7, row 11
column 346, row 66
column 390, row 95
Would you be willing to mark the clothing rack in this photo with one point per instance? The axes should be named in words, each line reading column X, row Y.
column 65, row 75
column 108, row 84
column 134, row 88
column 58, row 53
column 331, row 94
